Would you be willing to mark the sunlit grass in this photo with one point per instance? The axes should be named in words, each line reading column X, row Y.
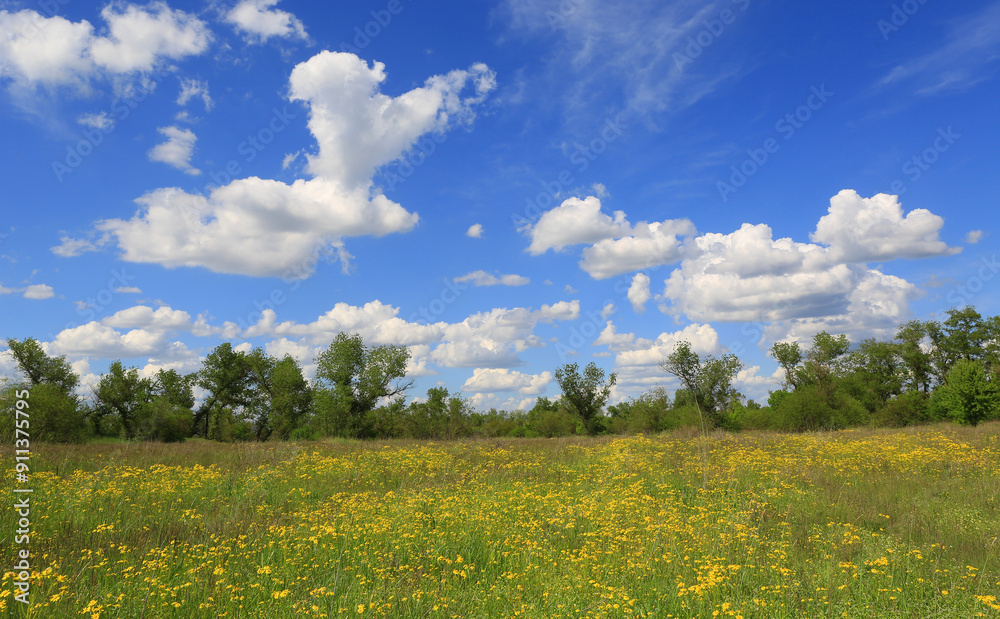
column 849, row 524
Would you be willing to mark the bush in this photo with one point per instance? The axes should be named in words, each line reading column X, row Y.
column 906, row 409
column 551, row 423
column 303, row 433
column 968, row 396
column 171, row 422
column 811, row 408
column 494, row 423
column 53, row 416
column 758, row 418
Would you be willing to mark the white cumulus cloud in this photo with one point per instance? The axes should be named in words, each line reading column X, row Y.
column 638, row 292
column 177, row 150
column 616, row 246
column 263, row 227
column 259, row 21
column 38, row 291
column 870, row 229
column 53, row 51
column 492, row 380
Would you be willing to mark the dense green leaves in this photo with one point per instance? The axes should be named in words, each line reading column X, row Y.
column 969, row 395
column 353, row 378
column 586, row 394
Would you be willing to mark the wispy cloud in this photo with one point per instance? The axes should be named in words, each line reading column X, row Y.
column 639, row 56
column 482, row 278
column 966, row 57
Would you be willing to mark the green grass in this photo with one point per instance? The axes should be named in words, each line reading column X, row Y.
column 851, row 524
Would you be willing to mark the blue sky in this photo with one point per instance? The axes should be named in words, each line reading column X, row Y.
column 503, row 187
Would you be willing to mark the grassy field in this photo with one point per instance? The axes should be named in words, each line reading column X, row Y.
column 848, row 524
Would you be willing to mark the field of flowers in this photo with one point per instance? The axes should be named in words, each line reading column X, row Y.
column 848, row 524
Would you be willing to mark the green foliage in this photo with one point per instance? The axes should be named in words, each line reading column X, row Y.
column 123, row 393
column 39, row 368
column 227, row 427
column 439, row 417
column 789, row 356
column 874, row 373
column 559, row 422
column 907, row 409
column 53, row 416
column 360, row 376
column 285, row 398
column 962, row 336
column 304, row 433
column 649, row 413
column 710, row 382
column 166, row 421
column 968, row 395
column 585, row 394
column 917, row 366
column 226, row 376
column 495, row 423
column 812, row 407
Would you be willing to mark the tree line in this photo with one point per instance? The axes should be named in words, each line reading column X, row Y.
column 929, row 371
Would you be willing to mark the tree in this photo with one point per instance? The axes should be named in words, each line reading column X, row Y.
column 917, row 366
column 39, row 368
column 290, row 398
column 226, row 376
column 54, row 417
column 710, row 382
column 355, row 377
column 124, row 394
column 174, row 387
column 876, row 372
column 586, row 394
column 56, row 413
column 963, row 335
column 789, row 356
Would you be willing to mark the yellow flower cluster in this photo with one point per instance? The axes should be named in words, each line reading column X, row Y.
column 849, row 524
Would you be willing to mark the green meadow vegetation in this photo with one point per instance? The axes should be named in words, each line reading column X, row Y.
column 855, row 523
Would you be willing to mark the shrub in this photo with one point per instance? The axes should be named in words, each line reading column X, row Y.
column 968, row 396
column 811, row 408
column 303, row 433
column 53, row 416
column 551, row 423
column 906, row 409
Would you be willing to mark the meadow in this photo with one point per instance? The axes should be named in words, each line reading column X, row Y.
column 856, row 523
